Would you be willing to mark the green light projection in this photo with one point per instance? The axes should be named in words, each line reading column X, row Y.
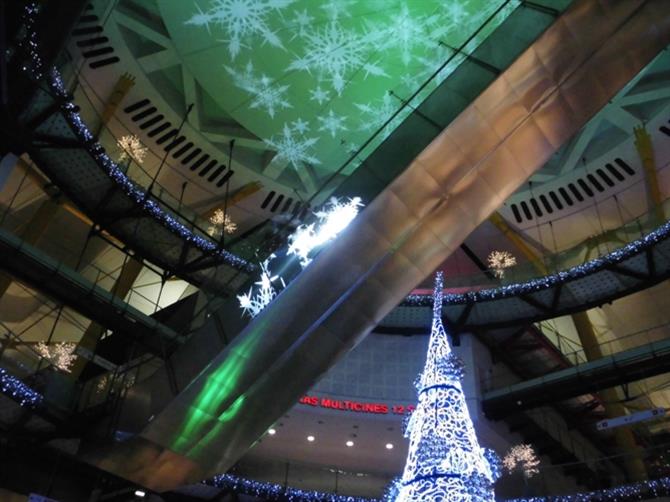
column 205, row 415
column 313, row 78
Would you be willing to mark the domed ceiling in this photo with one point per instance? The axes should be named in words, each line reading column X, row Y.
column 314, row 80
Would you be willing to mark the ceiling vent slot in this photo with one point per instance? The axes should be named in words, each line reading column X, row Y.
column 267, row 199
column 566, row 196
column 207, row 168
column 192, row 155
column 556, row 200
column 225, row 178
column 277, row 202
column 585, row 187
column 182, row 150
column 623, row 165
column 576, row 192
column 287, row 205
column 536, row 207
column 151, row 122
column 526, row 211
column 216, row 173
column 545, row 203
column 595, row 183
column 136, row 106
column 604, row 177
column 143, row 114
column 515, row 212
column 89, row 34
column 199, row 162
column 160, row 129
column 613, row 170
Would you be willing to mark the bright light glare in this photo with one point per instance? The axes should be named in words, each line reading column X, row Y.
column 272, row 432
column 335, row 217
column 140, row 493
column 350, row 443
column 389, row 446
column 310, row 439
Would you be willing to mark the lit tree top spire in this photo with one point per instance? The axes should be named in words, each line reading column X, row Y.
column 445, row 461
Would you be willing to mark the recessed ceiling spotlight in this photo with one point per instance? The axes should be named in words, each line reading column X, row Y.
column 310, row 439
column 272, row 432
column 350, row 443
column 140, row 493
column 389, row 446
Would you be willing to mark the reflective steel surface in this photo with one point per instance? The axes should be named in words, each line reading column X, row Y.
column 506, row 134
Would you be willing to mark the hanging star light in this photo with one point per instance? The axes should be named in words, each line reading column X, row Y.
column 522, row 457
column 221, row 222
column 253, row 302
column 60, row 355
column 332, row 219
column 131, row 148
column 499, row 261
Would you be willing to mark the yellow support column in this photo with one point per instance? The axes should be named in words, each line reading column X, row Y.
column 129, row 272
column 645, row 149
column 613, row 408
column 121, row 89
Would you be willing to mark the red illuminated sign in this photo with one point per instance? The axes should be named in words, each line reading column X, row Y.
column 357, row 406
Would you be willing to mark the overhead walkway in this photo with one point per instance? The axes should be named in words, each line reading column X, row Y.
column 626, row 270
column 63, row 284
column 67, row 152
column 483, row 156
column 618, row 369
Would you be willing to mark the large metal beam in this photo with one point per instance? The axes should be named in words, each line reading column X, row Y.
column 457, row 182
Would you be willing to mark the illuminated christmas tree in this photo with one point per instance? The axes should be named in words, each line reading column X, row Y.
column 445, row 461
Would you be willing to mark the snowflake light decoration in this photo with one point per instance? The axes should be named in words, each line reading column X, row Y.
column 500, row 260
column 266, row 94
column 131, row 148
column 221, row 222
column 292, row 149
column 522, row 457
column 253, row 302
column 60, row 355
column 332, row 219
column 331, row 53
column 240, row 20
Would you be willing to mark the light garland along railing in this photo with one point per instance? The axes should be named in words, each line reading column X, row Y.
column 34, row 68
column 605, row 243
column 152, row 205
column 114, row 135
column 539, row 283
column 649, row 489
column 275, row 492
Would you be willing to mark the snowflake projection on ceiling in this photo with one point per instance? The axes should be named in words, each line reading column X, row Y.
column 240, row 19
column 332, row 123
column 326, row 63
column 293, row 148
column 409, row 34
column 333, row 53
column 378, row 112
column 266, row 94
